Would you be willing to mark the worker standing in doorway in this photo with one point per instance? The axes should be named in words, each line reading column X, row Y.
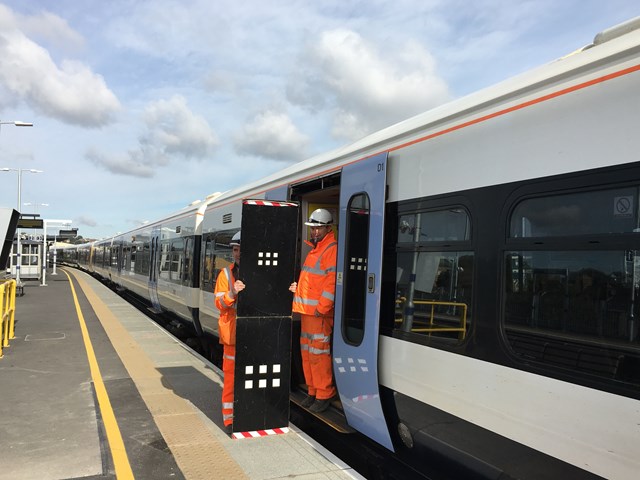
column 313, row 299
column 226, row 292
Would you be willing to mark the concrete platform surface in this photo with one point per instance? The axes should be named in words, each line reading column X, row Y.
column 91, row 388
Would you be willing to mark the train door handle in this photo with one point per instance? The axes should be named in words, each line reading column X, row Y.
column 371, row 282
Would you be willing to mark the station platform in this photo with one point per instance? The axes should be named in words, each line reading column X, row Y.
column 91, row 388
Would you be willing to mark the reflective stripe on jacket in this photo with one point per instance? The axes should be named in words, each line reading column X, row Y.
column 226, row 304
column 317, row 283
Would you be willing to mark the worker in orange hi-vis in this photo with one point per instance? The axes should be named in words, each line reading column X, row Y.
column 226, row 294
column 313, row 299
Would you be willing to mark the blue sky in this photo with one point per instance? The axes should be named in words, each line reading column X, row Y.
column 141, row 107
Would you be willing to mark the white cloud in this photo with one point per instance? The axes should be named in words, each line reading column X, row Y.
column 51, row 29
column 365, row 87
column 84, row 220
column 273, row 135
column 132, row 163
column 174, row 129
column 171, row 129
column 71, row 92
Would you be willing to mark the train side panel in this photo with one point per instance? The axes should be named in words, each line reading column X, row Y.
column 511, row 276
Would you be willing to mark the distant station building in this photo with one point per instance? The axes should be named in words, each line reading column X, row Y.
column 34, row 243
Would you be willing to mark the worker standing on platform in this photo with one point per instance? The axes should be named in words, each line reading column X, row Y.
column 314, row 298
column 226, row 292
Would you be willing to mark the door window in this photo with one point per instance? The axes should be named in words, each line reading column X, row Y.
column 355, row 268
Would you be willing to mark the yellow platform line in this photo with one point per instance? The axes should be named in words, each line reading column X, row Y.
column 114, row 437
column 199, row 455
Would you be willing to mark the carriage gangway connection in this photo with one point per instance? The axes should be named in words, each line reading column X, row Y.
column 92, row 388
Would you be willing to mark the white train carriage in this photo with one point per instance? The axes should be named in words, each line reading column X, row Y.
column 158, row 262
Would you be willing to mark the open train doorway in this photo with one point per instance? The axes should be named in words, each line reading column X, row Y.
column 322, row 192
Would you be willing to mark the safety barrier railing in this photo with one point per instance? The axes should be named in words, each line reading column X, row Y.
column 7, row 312
column 432, row 326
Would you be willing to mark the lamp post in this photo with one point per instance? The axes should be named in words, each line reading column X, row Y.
column 18, row 246
column 18, row 123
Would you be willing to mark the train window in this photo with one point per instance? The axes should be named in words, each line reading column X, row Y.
column 222, row 252
column 216, row 256
column 115, row 255
column 433, row 267
column 143, row 258
column 132, row 260
column 188, row 264
column 434, row 291
column 208, row 278
column 575, row 309
column 126, row 257
column 450, row 225
column 176, row 257
column 573, row 305
column 594, row 212
column 355, row 270
column 165, row 259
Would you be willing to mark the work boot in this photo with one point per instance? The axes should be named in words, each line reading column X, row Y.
column 320, row 405
column 307, row 402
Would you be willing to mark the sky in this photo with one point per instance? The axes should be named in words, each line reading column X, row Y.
column 140, row 107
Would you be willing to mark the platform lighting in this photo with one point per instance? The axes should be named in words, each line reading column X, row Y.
column 36, row 205
column 18, row 123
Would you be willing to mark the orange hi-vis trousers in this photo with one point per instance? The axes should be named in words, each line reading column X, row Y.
column 228, row 368
column 315, row 348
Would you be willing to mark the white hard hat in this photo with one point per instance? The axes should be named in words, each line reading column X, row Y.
column 235, row 240
column 320, row 218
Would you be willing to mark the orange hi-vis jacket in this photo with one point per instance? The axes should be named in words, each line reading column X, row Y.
column 317, row 282
column 227, row 329
column 226, row 304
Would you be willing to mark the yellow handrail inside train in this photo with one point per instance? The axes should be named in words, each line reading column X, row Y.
column 434, row 327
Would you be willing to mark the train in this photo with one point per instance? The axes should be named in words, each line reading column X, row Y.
column 487, row 294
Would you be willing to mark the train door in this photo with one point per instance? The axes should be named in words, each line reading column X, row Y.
column 118, row 258
column 357, row 301
column 153, row 270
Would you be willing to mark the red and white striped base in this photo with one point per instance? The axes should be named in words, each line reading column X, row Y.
column 270, row 203
column 260, row 433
